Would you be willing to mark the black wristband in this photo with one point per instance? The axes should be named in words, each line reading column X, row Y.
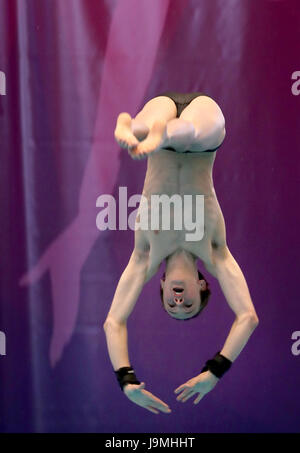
column 125, row 375
column 218, row 365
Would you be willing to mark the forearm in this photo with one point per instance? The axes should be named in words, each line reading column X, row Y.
column 116, row 339
column 236, row 292
column 126, row 295
column 238, row 337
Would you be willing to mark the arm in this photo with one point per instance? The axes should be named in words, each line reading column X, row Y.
column 236, row 292
column 127, row 292
column 126, row 295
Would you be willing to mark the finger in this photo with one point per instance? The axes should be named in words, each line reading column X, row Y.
column 154, row 398
column 192, row 393
column 164, row 409
column 151, row 409
column 183, row 394
column 199, row 397
column 156, row 402
column 181, row 387
column 159, row 404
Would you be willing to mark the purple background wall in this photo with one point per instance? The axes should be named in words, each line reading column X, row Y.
column 71, row 66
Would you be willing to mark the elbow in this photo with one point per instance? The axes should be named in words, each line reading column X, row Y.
column 111, row 324
column 253, row 320
column 250, row 319
column 105, row 325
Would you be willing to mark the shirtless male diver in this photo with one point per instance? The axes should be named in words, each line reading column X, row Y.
column 179, row 134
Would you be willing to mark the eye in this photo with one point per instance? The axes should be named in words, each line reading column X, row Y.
column 188, row 305
column 171, row 304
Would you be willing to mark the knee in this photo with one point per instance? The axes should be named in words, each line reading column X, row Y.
column 180, row 132
column 211, row 136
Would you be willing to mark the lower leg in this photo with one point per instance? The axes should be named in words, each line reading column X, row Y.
column 176, row 133
column 151, row 124
column 161, row 127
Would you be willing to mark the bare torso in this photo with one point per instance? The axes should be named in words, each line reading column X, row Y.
column 172, row 173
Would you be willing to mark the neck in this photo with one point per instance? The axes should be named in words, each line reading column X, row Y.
column 182, row 261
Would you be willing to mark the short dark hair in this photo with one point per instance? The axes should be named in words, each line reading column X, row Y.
column 204, row 296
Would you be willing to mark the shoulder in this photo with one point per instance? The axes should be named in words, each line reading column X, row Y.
column 219, row 255
column 141, row 244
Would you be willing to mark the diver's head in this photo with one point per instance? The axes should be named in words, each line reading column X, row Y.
column 183, row 289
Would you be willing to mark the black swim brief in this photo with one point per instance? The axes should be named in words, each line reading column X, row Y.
column 182, row 100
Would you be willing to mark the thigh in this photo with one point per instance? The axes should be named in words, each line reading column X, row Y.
column 158, row 108
column 208, row 121
column 201, row 109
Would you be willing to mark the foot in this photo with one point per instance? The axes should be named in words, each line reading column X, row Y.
column 139, row 129
column 123, row 132
column 156, row 139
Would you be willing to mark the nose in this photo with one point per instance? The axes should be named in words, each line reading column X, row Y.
column 178, row 299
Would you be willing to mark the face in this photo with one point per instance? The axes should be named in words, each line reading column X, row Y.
column 182, row 297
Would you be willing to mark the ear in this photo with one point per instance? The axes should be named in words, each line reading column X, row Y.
column 162, row 282
column 203, row 285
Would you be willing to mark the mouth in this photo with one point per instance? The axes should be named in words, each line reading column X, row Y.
column 177, row 290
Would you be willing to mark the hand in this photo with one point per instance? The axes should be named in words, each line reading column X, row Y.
column 143, row 398
column 202, row 384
